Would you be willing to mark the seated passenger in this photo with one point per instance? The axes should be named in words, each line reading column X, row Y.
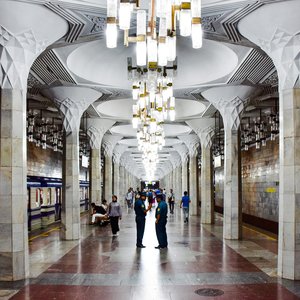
column 99, row 213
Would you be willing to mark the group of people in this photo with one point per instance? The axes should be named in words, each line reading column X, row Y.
column 113, row 213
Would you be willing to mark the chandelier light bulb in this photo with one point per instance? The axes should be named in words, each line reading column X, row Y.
column 171, row 45
column 124, row 15
column 111, row 35
column 185, row 20
column 197, row 36
column 141, row 48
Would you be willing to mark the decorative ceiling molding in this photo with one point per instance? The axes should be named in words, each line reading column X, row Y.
column 230, row 22
column 254, row 67
column 76, row 24
column 49, row 68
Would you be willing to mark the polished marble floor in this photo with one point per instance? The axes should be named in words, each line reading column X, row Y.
column 100, row 266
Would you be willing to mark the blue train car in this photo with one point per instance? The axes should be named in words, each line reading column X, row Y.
column 44, row 198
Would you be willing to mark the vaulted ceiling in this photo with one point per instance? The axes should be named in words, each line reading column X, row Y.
column 81, row 58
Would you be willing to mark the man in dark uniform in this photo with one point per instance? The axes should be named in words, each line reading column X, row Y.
column 140, row 219
column 161, row 222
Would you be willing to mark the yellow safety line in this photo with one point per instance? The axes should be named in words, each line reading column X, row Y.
column 268, row 236
column 44, row 233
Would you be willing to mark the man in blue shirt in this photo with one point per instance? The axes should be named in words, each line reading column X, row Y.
column 185, row 204
column 161, row 222
column 140, row 219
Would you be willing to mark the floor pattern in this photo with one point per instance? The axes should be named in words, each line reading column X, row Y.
column 100, row 266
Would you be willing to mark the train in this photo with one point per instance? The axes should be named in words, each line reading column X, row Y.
column 44, row 198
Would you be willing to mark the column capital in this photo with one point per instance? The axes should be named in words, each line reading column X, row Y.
column 204, row 128
column 23, row 39
column 183, row 152
column 18, row 52
column 108, row 143
column 96, row 130
column 284, row 49
column 230, row 101
column 117, row 153
column 192, row 143
column 72, row 101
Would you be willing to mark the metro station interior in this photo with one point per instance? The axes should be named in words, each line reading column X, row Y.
column 99, row 96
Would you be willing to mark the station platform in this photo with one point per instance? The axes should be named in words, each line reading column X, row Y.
column 198, row 264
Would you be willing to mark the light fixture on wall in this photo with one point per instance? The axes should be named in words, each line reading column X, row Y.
column 43, row 130
column 154, row 48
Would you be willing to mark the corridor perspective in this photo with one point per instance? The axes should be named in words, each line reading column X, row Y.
column 104, row 267
column 105, row 104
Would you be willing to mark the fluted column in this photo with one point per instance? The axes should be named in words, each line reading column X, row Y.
column 194, row 211
column 108, row 178
column 96, row 130
column 21, row 42
column 192, row 143
column 116, row 179
column 205, row 130
column 184, row 176
column 279, row 38
column 72, row 101
column 230, row 101
column 122, row 185
column 178, row 183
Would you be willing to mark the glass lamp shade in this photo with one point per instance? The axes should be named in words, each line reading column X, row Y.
column 111, row 35
column 171, row 44
column 197, row 36
column 124, row 15
column 141, row 48
column 152, row 50
column 185, row 22
column 162, row 54
column 112, row 6
column 135, row 121
column 141, row 52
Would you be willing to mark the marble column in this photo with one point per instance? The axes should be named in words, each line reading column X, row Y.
column 122, row 185
column 72, row 101
column 280, row 39
column 179, row 184
column 95, row 175
column 116, row 179
column 108, row 178
column 207, row 199
column 230, row 101
column 194, row 208
column 205, row 130
column 21, row 42
column 95, row 131
column 184, row 172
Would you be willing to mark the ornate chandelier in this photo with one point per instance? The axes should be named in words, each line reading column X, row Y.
column 154, row 49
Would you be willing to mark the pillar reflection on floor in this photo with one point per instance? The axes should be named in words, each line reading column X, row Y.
column 100, row 266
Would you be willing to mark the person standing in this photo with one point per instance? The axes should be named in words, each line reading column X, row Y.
column 185, row 204
column 161, row 222
column 171, row 201
column 140, row 219
column 115, row 214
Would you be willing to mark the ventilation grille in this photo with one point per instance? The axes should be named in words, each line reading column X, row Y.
column 49, row 68
column 253, row 68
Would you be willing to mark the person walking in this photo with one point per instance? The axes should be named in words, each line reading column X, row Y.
column 171, row 201
column 185, row 204
column 161, row 222
column 140, row 219
column 115, row 214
